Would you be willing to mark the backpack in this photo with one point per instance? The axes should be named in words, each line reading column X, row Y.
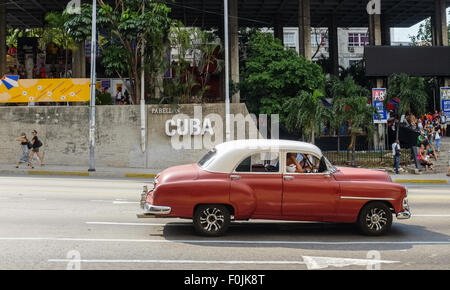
column 38, row 143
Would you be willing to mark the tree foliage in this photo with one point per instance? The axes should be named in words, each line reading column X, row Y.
column 411, row 92
column 129, row 28
column 350, row 104
column 306, row 111
column 273, row 75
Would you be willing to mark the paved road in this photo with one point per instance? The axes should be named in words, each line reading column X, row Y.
column 47, row 222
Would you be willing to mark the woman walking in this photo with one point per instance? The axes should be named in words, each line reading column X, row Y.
column 35, row 145
column 25, row 156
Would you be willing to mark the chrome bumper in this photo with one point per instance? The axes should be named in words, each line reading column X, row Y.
column 156, row 209
column 404, row 215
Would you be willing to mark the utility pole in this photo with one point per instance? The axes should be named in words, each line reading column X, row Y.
column 143, row 112
column 93, row 83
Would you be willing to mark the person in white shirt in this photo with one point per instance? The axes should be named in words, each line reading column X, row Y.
column 396, row 154
column 443, row 123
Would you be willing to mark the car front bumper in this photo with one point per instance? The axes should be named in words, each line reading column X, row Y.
column 404, row 215
column 156, row 209
column 151, row 210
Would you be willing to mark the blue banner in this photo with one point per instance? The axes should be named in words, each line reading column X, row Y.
column 378, row 97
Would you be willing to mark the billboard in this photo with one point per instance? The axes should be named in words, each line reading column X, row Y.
column 378, row 97
column 445, row 101
column 412, row 60
column 14, row 90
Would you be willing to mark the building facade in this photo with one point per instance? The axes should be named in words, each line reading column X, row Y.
column 351, row 43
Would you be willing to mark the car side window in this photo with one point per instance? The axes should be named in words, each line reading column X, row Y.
column 265, row 162
column 297, row 162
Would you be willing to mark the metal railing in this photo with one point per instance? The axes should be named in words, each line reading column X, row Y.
column 369, row 158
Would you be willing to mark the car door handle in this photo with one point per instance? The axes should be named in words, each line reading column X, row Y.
column 235, row 176
column 288, row 177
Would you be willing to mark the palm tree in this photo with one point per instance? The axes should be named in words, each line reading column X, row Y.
column 306, row 112
column 359, row 114
column 339, row 91
column 350, row 103
column 411, row 92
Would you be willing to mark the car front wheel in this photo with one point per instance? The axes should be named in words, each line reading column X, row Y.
column 211, row 220
column 375, row 219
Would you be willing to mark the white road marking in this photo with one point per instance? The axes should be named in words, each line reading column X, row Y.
column 136, row 224
column 314, row 263
column 126, row 202
column 310, row 262
column 228, row 241
column 26, row 198
column 178, row 261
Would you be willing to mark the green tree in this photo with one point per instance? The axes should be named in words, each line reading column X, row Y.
column 130, row 28
column 272, row 75
column 56, row 32
column 412, row 94
column 424, row 34
column 305, row 111
column 350, row 104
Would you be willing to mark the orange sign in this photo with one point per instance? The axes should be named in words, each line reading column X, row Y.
column 46, row 90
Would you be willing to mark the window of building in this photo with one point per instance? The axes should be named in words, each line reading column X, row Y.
column 320, row 39
column 358, row 39
column 289, row 39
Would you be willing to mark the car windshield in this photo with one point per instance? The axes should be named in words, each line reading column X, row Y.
column 330, row 166
column 207, row 158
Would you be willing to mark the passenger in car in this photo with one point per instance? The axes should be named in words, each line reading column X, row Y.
column 292, row 165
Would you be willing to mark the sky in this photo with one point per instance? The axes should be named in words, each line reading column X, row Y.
column 402, row 34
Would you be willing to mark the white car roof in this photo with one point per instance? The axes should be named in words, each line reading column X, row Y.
column 230, row 153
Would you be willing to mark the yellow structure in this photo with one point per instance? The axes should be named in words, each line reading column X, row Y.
column 46, row 90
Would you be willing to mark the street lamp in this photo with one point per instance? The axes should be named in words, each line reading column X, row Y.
column 93, row 82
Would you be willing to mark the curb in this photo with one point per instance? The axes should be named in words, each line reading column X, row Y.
column 58, row 173
column 77, row 173
column 441, row 181
column 137, row 175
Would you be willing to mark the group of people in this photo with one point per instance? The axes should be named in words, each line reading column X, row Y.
column 29, row 149
column 432, row 128
column 428, row 122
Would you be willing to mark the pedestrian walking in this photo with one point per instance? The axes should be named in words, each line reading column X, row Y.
column 396, row 153
column 443, row 123
column 35, row 145
column 25, row 147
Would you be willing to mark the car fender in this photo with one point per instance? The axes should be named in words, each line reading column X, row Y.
column 355, row 194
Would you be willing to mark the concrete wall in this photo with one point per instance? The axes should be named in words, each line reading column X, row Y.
column 64, row 132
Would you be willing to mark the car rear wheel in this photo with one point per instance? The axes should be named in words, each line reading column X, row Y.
column 375, row 219
column 211, row 220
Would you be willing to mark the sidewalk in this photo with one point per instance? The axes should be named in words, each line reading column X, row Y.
column 421, row 178
column 111, row 172
column 53, row 170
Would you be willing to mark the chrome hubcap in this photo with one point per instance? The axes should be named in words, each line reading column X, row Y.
column 376, row 219
column 212, row 219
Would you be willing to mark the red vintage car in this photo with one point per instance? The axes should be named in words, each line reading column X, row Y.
column 276, row 180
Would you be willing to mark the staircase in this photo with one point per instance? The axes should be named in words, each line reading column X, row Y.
column 442, row 163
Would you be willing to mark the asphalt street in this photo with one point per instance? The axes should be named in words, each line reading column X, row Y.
column 87, row 223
